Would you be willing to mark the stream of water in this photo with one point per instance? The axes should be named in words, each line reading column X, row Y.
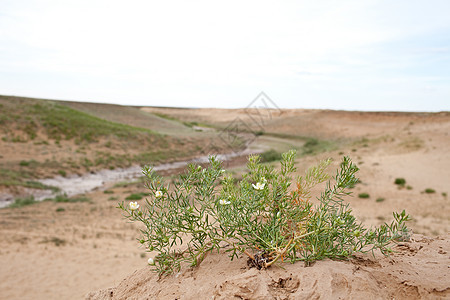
column 75, row 185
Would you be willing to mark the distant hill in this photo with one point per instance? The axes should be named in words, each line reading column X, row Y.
column 43, row 138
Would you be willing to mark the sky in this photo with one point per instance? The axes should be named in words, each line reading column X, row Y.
column 352, row 55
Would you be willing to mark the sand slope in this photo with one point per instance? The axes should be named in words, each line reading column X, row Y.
column 418, row 269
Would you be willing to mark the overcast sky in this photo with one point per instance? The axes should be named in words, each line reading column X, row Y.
column 353, row 55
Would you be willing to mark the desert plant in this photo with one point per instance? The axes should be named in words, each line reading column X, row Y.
column 430, row 191
column 270, row 155
column 261, row 216
column 364, row 195
column 400, row 181
column 19, row 202
column 136, row 196
column 61, row 198
column 24, row 163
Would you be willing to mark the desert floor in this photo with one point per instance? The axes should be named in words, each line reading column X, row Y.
column 66, row 250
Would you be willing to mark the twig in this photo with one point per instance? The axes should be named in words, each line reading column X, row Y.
column 249, row 254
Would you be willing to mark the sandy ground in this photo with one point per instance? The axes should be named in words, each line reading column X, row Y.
column 418, row 270
column 85, row 247
column 49, row 254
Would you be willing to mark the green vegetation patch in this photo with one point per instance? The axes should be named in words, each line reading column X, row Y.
column 22, row 178
column 363, row 195
column 20, row 202
column 28, row 163
column 64, row 198
column 400, row 181
column 430, row 191
column 38, row 185
column 136, row 196
column 61, row 122
column 270, row 155
column 314, row 146
column 64, row 122
column 55, row 240
column 164, row 116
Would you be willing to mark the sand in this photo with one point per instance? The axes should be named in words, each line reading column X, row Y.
column 418, row 270
column 71, row 250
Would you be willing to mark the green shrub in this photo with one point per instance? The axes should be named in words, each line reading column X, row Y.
column 28, row 163
column 380, row 199
column 38, row 185
column 400, row 181
column 310, row 146
column 270, row 155
column 430, row 191
column 259, row 216
column 363, row 195
column 60, row 209
column 64, row 198
column 24, row 163
column 20, row 202
column 136, row 196
column 56, row 240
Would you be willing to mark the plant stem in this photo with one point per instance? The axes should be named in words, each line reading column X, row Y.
column 280, row 254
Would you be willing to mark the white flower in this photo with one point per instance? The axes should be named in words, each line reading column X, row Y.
column 224, row 202
column 151, row 261
column 258, row 186
column 134, row 205
column 158, row 194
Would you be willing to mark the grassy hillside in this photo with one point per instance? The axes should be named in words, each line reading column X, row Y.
column 22, row 120
column 42, row 138
column 133, row 116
